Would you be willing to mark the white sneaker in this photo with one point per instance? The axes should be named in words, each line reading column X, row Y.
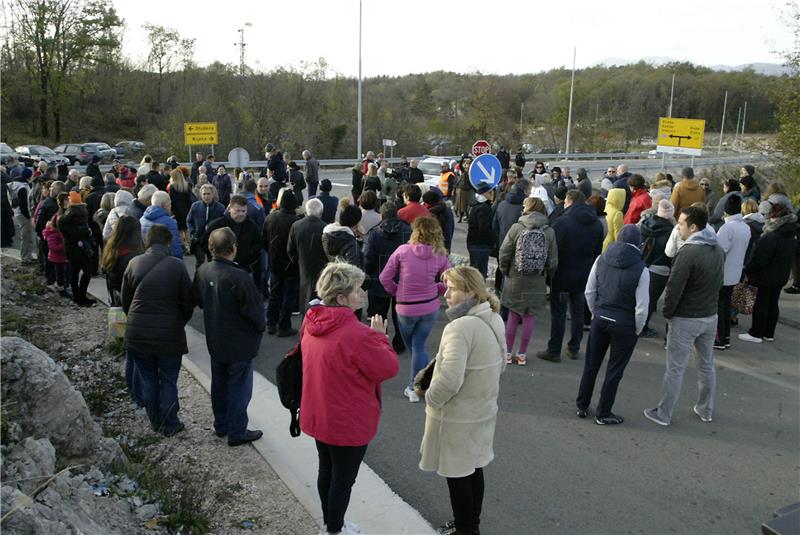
column 348, row 529
column 411, row 395
column 747, row 338
column 698, row 413
column 53, row 287
column 767, row 339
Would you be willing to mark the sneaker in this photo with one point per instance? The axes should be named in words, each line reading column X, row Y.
column 249, row 436
column 648, row 333
column 546, row 355
column 582, row 413
column 522, row 359
column 719, row 346
column 509, row 358
column 652, row 415
column 411, row 395
column 573, row 355
column 448, row 528
column 747, row 338
column 703, row 418
column 587, row 327
column 768, row 339
column 792, row 290
column 53, row 287
column 611, row 419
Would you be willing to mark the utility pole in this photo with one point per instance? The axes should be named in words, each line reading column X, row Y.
column 358, row 156
column 571, row 90
column 521, row 109
column 671, row 94
column 744, row 116
column 241, row 44
column 722, row 126
column 738, row 120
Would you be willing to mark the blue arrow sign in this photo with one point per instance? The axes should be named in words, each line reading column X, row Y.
column 485, row 169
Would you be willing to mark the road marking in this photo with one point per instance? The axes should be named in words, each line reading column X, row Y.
column 766, row 378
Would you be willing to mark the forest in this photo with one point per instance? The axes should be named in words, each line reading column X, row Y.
column 65, row 79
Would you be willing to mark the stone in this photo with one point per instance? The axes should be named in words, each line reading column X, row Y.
column 29, row 464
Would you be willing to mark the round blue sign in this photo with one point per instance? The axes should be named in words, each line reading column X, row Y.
column 485, row 169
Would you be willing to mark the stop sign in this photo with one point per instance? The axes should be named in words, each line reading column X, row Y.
column 481, row 147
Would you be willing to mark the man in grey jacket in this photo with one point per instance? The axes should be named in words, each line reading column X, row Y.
column 312, row 173
column 690, row 307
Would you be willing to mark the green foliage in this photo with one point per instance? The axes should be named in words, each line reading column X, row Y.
column 788, row 94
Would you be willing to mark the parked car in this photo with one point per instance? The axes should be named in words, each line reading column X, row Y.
column 431, row 168
column 30, row 154
column 7, row 153
column 127, row 149
column 83, row 153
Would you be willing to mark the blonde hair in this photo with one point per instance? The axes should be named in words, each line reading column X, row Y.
column 428, row 231
column 177, row 181
column 107, row 201
column 469, row 279
column 749, row 206
column 372, row 170
column 534, row 204
column 338, row 278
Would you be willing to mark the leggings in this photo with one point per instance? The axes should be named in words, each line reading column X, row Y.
column 338, row 468
column 511, row 331
column 79, row 277
column 466, row 498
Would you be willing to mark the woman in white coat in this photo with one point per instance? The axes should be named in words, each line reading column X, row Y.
column 461, row 401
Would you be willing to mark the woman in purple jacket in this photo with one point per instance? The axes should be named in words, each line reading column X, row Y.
column 413, row 276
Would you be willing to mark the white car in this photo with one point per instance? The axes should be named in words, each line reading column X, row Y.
column 431, row 168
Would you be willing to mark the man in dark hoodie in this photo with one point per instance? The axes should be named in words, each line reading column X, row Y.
column 617, row 295
column 283, row 273
column 480, row 238
column 329, row 202
column 443, row 214
column 579, row 237
column 339, row 239
column 93, row 168
column 306, row 251
column 584, row 184
column 379, row 245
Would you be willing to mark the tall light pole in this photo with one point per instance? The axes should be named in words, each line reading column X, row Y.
column 744, row 116
column 358, row 155
column 571, row 90
column 671, row 94
column 722, row 126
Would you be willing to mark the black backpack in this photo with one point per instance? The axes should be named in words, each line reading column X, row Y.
column 289, row 379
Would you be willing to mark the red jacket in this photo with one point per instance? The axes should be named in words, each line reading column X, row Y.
column 344, row 364
column 55, row 242
column 411, row 211
column 128, row 183
column 640, row 201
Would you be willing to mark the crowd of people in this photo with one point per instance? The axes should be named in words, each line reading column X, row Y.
column 599, row 255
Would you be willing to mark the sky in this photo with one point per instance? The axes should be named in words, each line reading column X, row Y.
column 492, row 37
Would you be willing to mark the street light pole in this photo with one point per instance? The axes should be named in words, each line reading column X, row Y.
column 722, row 126
column 358, row 156
column 671, row 94
column 571, row 90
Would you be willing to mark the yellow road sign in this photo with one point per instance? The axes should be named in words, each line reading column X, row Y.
column 680, row 136
column 200, row 133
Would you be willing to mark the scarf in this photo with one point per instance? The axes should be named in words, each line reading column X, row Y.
column 773, row 224
column 461, row 309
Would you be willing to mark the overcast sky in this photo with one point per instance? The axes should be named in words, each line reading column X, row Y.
column 503, row 36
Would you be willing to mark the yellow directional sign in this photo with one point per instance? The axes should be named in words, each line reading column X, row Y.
column 200, row 133
column 680, row 136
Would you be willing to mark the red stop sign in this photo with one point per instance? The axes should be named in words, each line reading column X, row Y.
column 481, row 147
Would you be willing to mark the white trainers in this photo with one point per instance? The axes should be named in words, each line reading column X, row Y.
column 698, row 413
column 747, row 338
column 411, row 395
column 348, row 529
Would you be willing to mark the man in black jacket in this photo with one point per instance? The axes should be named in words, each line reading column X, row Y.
column 248, row 235
column 282, row 271
column 233, row 314
column 158, row 300
column 480, row 238
column 306, row 252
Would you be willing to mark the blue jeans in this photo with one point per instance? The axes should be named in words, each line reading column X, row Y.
column 283, row 292
column 159, row 387
column 479, row 258
column 231, row 390
column 133, row 380
column 415, row 331
column 559, row 301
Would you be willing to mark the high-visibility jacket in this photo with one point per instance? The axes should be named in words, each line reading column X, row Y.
column 444, row 182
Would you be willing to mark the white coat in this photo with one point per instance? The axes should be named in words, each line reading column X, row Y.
column 461, row 401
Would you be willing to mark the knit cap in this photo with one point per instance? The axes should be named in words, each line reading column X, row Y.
column 75, row 197
column 665, row 209
column 630, row 234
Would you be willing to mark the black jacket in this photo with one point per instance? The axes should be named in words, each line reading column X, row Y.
column 579, row 237
column 415, row 175
column 379, row 245
column 505, row 158
column 157, row 297
column 655, row 235
column 74, row 227
column 93, row 170
column 233, row 311
column 305, row 250
column 48, row 209
column 330, row 204
column 479, row 224
column 339, row 241
column 275, row 238
column 157, row 179
column 248, row 241
column 118, row 271
column 507, row 213
column 444, row 215
column 772, row 257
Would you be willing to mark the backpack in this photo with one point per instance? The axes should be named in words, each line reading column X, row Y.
column 289, row 380
column 531, row 251
column 647, row 248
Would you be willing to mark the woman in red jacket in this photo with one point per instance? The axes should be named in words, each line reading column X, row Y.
column 341, row 402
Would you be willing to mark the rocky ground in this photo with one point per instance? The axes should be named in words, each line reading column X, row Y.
column 190, row 483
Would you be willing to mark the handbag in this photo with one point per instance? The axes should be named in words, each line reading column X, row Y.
column 744, row 297
column 117, row 321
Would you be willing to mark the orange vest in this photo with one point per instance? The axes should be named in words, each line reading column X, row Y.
column 444, row 182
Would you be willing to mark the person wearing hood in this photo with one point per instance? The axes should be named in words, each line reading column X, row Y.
column 340, row 404
column 711, row 195
column 687, row 191
column 524, row 291
column 614, row 216
column 248, row 235
column 339, row 239
column 617, row 294
column 93, row 168
column 656, row 231
column 769, row 270
column 622, row 183
column 690, row 307
column 579, row 238
column 640, row 200
column 330, row 203
column 160, row 213
column 283, row 273
column 122, row 204
column 19, row 189
column 584, row 183
column 480, row 238
column 443, row 214
column 380, row 243
column 78, row 246
column 775, row 194
column 411, row 276
column 734, row 238
column 717, row 217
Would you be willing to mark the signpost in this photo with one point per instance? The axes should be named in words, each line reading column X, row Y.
column 485, row 169
column 238, row 157
column 680, row 136
column 391, row 143
column 481, row 147
column 200, row 133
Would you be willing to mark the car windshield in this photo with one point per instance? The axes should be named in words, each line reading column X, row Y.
column 103, row 146
column 430, row 168
column 5, row 148
column 41, row 150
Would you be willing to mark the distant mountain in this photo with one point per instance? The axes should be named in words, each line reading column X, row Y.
column 769, row 69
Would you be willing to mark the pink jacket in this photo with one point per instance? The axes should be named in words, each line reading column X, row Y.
column 341, row 402
column 410, row 276
column 55, row 242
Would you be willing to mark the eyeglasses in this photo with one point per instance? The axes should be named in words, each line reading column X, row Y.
column 612, row 171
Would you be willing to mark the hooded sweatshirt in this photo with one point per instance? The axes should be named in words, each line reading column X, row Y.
column 507, row 213
column 379, row 245
column 122, row 203
column 339, row 241
column 618, row 289
column 579, row 238
column 734, row 237
column 155, row 215
column 657, row 230
column 413, row 276
column 686, row 193
column 772, row 257
column 696, row 277
column 614, row 217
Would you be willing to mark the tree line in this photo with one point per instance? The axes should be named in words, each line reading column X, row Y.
column 65, row 79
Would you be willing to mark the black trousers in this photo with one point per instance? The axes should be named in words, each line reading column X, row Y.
column 383, row 305
column 338, row 468
column 622, row 339
column 724, row 315
column 79, row 276
column 657, row 285
column 466, row 498
column 765, row 312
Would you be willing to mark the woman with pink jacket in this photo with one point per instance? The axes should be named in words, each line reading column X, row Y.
column 413, row 276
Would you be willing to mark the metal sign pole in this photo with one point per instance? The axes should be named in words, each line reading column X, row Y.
column 722, row 126
column 569, row 115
